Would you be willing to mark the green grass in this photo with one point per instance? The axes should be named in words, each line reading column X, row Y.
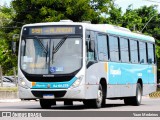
column 12, row 89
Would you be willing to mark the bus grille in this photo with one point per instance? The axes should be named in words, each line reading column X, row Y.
column 40, row 78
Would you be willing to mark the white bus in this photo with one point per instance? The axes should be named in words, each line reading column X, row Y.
column 75, row 61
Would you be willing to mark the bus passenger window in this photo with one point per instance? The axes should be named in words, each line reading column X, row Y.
column 134, row 51
column 142, row 51
column 150, row 53
column 113, row 45
column 102, row 47
column 124, row 50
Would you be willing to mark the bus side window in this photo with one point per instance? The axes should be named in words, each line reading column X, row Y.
column 90, row 55
column 134, row 51
column 102, row 47
column 114, row 51
column 143, row 53
column 124, row 50
column 150, row 53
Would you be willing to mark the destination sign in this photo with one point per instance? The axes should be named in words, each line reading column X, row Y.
column 51, row 30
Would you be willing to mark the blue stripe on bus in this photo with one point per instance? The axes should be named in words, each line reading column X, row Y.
column 54, row 85
column 124, row 73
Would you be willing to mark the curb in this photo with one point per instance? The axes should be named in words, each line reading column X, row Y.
column 8, row 95
column 10, row 100
column 155, row 95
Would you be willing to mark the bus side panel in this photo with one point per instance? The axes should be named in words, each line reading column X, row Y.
column 123, row 77
column 151, row 86
column 93, row 76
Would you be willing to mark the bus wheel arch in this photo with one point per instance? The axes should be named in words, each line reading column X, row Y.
column 140, row 82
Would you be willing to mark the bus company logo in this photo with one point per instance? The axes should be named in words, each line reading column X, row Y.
column 6, row 114
column 115, row 71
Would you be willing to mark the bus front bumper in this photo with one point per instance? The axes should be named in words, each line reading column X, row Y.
column 78, row 93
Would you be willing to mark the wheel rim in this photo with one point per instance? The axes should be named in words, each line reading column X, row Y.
column 100, row 96
column 139, row 95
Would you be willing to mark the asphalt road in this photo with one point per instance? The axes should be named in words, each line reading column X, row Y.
column 115, row 106
column 148, row 104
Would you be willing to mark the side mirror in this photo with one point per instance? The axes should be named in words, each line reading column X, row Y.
column 91, row 46
column 13, row 47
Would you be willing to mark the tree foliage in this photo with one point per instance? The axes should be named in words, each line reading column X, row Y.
column 7, row 61
column 54, row 10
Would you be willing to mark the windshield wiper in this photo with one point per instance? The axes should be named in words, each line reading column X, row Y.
column 59, row 44
column 41, row 44
column 55, row 49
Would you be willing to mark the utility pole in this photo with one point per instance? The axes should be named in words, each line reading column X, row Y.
column 15, row 77
column 1, row 76
column 134, row 27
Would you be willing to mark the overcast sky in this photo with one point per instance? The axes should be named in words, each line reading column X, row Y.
column 137, row 3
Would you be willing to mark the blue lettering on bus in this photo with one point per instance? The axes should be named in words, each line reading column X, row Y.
column 54, row 85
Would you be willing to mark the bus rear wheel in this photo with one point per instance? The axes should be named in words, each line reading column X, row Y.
column 136, row 100
column 46, row 103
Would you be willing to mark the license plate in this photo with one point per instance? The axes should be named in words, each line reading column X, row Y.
column 48, row 96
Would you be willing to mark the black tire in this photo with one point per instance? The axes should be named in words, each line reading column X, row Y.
column 128, row 101
column 136, row 100
column 88, row 103
column 96, row 103
column 46, row 103
column 68, row 102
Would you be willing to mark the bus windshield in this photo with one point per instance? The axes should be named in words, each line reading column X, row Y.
column 51, row 55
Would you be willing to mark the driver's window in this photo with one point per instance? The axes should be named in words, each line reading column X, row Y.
column 90, row 55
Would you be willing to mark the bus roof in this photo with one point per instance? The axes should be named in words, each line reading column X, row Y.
column 105, row 28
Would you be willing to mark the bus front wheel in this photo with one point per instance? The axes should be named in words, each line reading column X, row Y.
column 96, row 103
column 46, row 103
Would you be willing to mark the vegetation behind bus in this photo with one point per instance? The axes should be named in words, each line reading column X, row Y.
column 104, row 11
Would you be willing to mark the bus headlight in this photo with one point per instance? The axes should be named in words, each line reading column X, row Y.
column 22, row 83
column 77, row 82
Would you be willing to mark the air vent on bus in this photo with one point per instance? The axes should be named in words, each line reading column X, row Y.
column 121, row 28
column 66, row 21
column 86, row 22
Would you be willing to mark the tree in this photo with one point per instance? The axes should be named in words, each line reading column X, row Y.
column 6, row 59
column 151, row 21
column 54, row 10
column 115, row 15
